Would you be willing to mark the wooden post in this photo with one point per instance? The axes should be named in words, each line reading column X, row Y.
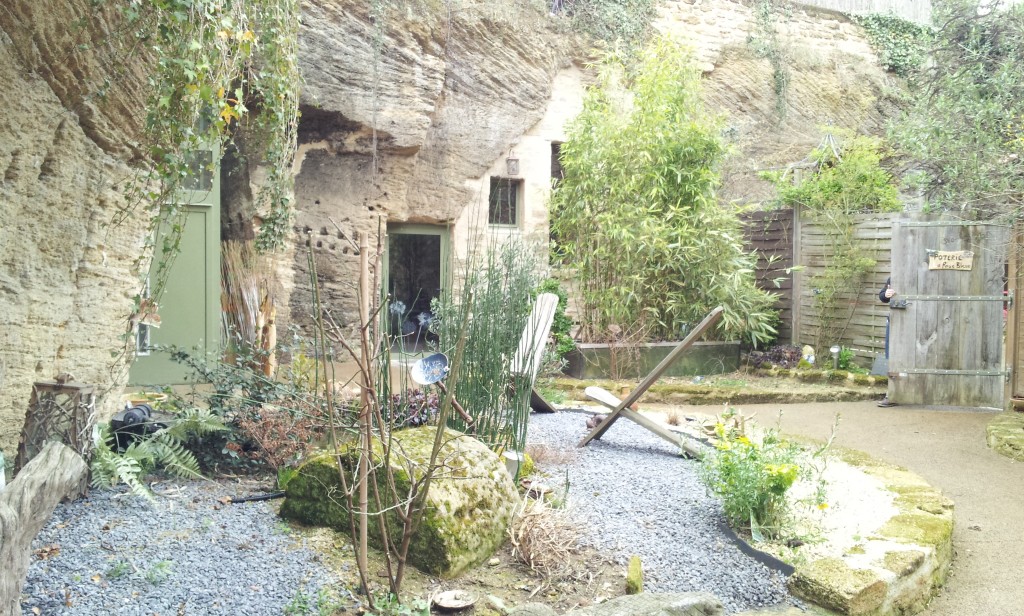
column 798, row 279
column 655, row 374
column 364, row 412
column 25, row 506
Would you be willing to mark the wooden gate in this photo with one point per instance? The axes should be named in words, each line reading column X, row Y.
column 946, row 341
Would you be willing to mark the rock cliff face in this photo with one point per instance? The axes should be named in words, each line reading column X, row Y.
column 832, row 77
column 69, row 111
column 402, row 112
column 407, row 113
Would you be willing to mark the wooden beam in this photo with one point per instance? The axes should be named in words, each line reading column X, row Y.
column 655, row 374
column 607, row 399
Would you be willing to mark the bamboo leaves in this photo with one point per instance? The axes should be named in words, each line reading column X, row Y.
column 636, row 216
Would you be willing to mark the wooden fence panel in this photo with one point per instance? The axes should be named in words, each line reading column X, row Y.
column 860, row 314
column 770, row 233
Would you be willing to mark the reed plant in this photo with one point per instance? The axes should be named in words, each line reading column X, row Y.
column 491, row 303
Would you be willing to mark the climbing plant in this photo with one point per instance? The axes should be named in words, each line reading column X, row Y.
column 218, row 66
column 765, row 43
column 848, row 180
column 901, row 45
column 625, row 23
column 635, row 219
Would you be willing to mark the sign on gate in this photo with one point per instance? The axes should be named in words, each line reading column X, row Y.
column 962, row 260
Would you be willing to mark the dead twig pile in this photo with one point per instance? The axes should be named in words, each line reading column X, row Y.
column 544, row 539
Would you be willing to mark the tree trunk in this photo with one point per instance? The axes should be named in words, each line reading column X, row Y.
column 25, row 506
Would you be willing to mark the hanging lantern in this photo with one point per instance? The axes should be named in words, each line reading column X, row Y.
column 512, row 163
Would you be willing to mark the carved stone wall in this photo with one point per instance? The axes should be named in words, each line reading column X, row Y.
column 69, row 110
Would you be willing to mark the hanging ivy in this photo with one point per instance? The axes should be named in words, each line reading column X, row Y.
column 220, row 66
column 901, row 45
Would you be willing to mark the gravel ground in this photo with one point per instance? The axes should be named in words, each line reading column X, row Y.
column 184, row 553
column 633, row 494
column 189, row 553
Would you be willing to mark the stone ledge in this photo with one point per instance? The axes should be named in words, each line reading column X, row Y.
column 899, row 568
column 1005, row 435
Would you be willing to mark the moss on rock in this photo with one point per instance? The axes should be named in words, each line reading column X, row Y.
column 832, row 584
column 469, row 506
column 634, row 577
column 1006, row 435
column 903, row 562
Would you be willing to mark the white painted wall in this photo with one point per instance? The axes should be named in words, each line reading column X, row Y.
column 533, row 150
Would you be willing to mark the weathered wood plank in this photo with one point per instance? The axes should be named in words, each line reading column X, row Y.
column 655, row 374
column 25, row 506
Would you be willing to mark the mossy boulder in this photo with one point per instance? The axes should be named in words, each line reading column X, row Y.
column 1006, row 435
column 468, row 507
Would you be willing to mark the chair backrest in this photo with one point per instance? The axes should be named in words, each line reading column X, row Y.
column 535, row 336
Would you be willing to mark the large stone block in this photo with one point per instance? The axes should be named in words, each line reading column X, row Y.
column 468, row 508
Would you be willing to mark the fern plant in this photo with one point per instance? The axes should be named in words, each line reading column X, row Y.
column 164, row 449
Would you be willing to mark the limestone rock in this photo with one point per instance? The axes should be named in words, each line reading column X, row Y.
column 647, row 604
column 71, row 111
column 470, row 503
column 658, row 604
column 532, row 609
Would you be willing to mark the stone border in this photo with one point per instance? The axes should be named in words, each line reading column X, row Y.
column 1005, row 435
column 900, row 567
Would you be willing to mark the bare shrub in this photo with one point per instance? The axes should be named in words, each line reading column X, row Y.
column 544, row 539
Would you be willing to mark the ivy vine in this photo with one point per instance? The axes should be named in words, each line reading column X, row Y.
column 765, row 43
column 616, row 23
column 220, row 66
column 901, row 45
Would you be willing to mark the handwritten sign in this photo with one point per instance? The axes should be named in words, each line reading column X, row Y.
column 962, row 260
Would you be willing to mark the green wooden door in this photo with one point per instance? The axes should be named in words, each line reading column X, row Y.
column 190, row 304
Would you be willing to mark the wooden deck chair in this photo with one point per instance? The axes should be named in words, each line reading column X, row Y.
column 532, row 343
column 622, row 406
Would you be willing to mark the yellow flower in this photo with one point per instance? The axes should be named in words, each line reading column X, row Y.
column 823, row 506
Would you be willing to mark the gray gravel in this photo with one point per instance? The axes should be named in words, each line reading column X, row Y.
column 188, row 553
column 634, row 494
column 185, row 553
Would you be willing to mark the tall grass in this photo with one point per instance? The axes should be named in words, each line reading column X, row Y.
column 491, row 303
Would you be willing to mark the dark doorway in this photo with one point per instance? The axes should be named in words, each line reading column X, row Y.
column 416, row 257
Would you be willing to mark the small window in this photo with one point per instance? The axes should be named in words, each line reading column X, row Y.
column 557, row 172
column 200, row 171
column 504, row 201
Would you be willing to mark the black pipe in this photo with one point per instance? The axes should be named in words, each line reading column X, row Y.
column 258, row 497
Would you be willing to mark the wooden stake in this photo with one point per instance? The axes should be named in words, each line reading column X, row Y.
column 364, row 412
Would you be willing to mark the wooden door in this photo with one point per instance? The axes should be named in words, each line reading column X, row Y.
column 190, row 303
column 946, row 340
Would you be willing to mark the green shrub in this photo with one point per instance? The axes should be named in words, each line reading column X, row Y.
column 636, row 217
column 752, row 479
column 561, row 326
